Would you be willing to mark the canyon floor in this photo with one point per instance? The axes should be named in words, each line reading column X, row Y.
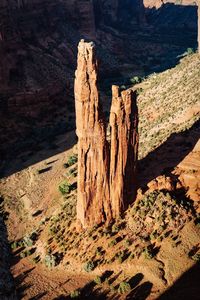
column 150, row 253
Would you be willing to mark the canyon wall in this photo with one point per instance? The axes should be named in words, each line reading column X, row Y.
column 36, row 37
column 38, row 42
column 106, row 169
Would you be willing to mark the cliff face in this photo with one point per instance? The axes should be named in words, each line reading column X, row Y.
column 106, row 171
column 38, row 41
column 117, row 12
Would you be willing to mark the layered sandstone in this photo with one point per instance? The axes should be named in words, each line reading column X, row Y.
column 106, row 171
column 93, row 205
column 124, row 147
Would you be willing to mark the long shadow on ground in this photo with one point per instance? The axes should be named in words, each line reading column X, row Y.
column 167, row 156
column 186, row 287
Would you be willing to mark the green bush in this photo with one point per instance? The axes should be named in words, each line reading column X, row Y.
column 65, row 187
column 14, row 245
column 27, row 241
column 127, row 243
column 50, row 261
column 148, row 252
column 135, row 79
column 124, row 287
column 98, row 280
column 196, row 257
column 89, row 266
column 190, row 51
column 115, row 228
column 25, row 253
column 75, row 294
column 112, row 243
column 71, row 161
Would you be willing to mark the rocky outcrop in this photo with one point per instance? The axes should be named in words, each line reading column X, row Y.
column 106, row 171
column 93, row 188
column 124, row 147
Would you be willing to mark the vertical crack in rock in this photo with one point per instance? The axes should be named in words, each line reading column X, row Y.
column 106, row 172
column 124, row 147
column 93, row 206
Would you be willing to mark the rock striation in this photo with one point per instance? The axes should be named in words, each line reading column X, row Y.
column 106, row 169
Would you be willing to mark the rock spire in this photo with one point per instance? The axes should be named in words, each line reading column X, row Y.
column 123, row 149
column 93, row 205
column 106, row 170
column 199, row 26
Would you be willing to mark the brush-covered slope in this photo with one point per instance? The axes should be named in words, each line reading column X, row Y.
column 169, row 102
column 143, row 253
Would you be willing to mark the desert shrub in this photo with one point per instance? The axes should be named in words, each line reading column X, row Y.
column 120, row 256
column 127, row 243
column 72, row 172
column 98, row 280
column 131, row 256
column 112, row 243
column 89, row 266
column 14, row 245
column 50, row 261
column 112, row 288
column 190, row 51
column 36, row 259
column 115, row 228
column 71, row 161
column 148, row 252
column 98, row 251
column 75, row 294
column 136, row 79
column 27, row 241
column 124, row 287
column 106, row 232
column 65, row 187
column 25, row 253
column 196, row 257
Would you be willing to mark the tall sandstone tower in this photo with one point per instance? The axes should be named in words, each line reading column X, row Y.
column 199, row 26
column 93, row 153
column 106, row 169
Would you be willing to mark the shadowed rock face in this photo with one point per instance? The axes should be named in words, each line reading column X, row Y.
column 124, row 147
column 106, row 172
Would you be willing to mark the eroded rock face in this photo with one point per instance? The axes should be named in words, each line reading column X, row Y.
column 106, row 171
column 93, row 205
column 124, row 147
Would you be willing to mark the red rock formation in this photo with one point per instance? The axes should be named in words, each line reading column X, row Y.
column 199, row 26
column 124, row 147
column 103, row 195
column 93, row 205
